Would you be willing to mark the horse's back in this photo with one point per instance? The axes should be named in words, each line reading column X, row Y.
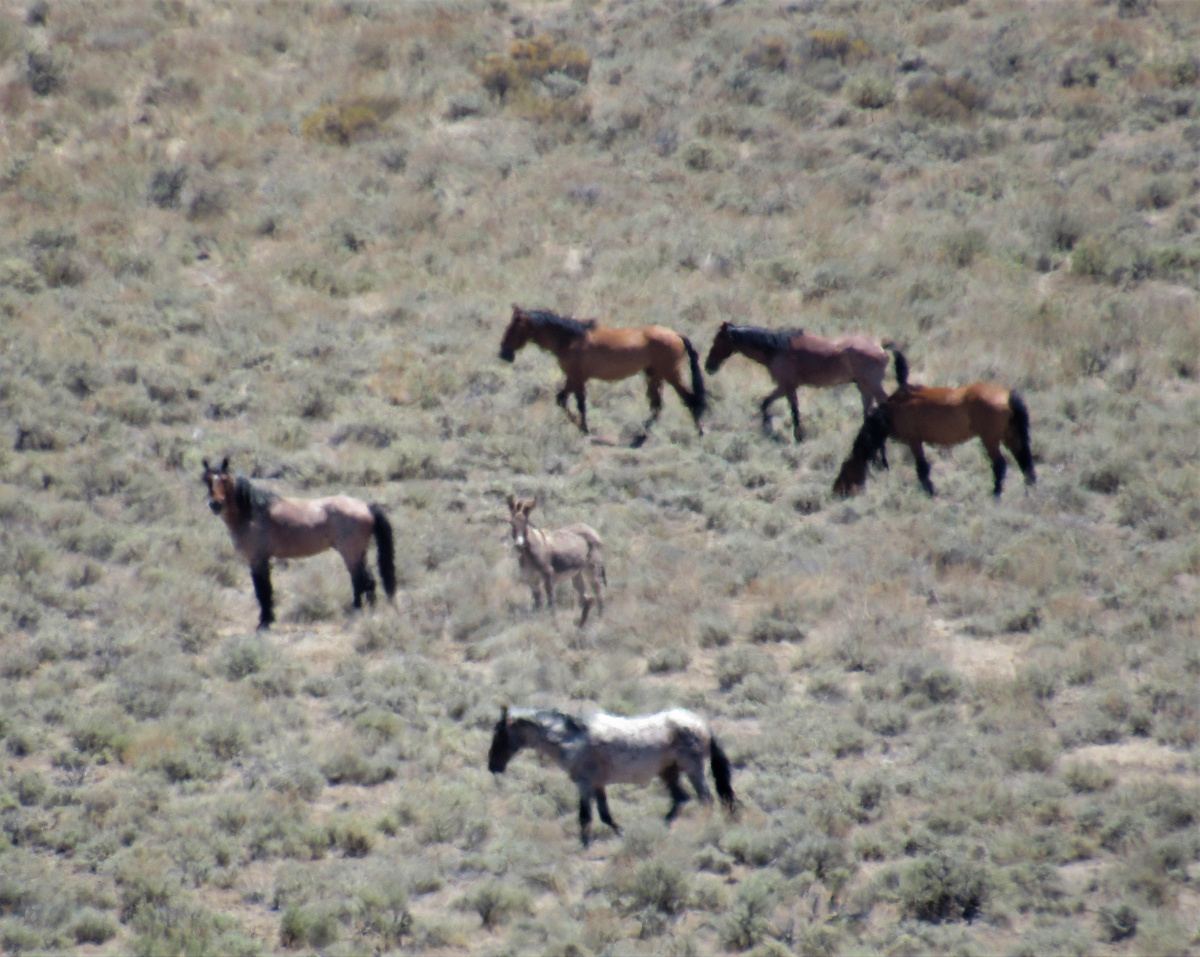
column 634, row 750
column 302, row 527
column 948, row 416
column 821, row 361
column 619, row 353
column 586, row 532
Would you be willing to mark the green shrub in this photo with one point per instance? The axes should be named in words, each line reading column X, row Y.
column 93, row 927
column 940, row 888
column 870, row 91
column 746, row 923
column 495, row 902
column 529, row 60
column 1118, row 923
column 660, row 885
column 349, row 121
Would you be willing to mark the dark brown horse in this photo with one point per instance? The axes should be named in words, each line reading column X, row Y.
column 586, row 350
column 915, row 414
column 795, row 358
column 264, row 525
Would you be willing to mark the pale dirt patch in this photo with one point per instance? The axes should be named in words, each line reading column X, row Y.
column 989, row 658
column 1134, row 757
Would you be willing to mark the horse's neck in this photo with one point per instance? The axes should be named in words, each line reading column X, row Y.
column 553, row 746
column 535, row 540
column 759, row 354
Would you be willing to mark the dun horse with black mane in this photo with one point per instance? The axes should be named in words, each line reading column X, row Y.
column 586, row 350
column 794, row 358
column 604, row 749
column 915, row 414
column 264, row 525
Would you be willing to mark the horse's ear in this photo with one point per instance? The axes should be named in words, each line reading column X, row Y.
column 204, row 462
column 504, row 714
column 527, row 505
column 225, row 464
column 512, row 502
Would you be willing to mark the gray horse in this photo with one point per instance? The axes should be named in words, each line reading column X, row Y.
column 544, row 557
column 606, row 749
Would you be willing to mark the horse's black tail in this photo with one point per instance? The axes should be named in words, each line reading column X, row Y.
column 722, row 774
column 699, row 400
column 901, row 364
column 386, row 548
column 1018, row 429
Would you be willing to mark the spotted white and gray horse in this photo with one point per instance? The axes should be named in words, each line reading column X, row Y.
column 605, row 749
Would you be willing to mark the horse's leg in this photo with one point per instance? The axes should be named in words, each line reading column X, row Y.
column 654, row 397
column 922, row 467
column 548, row 582
column 585, row 815
column 765, row 406
column 999, row 466
column 797, row 428
column 260, row 574
column 679, row 796
column 580, row 402
column 695, row 773
column 581, row 405
column 584, row 601
column 602, row 807
column 597, row 587
column 361, row 580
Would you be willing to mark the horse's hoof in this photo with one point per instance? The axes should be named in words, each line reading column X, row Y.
column 639, row 440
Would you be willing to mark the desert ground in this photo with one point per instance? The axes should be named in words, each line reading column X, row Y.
column 292, row 233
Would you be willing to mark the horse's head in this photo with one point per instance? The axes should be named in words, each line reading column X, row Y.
column 220, row 484
column 516, row 335
column 870, row 446
column 518, row 515
column 721, row 349
column 504, row 744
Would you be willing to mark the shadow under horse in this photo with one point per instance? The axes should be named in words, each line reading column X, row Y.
column 916, row 414
column 586, row 350
column 264, row 525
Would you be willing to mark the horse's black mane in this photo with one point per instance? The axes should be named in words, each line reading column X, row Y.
column 756, row 337
column 251, row 500
column 573, row 327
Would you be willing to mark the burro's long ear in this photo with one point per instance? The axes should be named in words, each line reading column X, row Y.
column 527, row 505
column 512, row 502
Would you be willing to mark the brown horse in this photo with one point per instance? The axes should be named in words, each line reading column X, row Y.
column 264, row 525
column 795, row 358
column 586, row 350
column 915, row 414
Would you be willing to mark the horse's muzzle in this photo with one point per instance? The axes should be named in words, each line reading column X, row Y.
column 216, row 507
column 507, row 355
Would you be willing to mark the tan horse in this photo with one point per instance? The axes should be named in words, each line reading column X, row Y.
column 586, row 350
column 794, row 358
column 605, row 749
column 915, row 414
column 264, row 525
column 573, row 552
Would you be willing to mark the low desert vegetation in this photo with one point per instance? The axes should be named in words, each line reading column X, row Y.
column 293, row 235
